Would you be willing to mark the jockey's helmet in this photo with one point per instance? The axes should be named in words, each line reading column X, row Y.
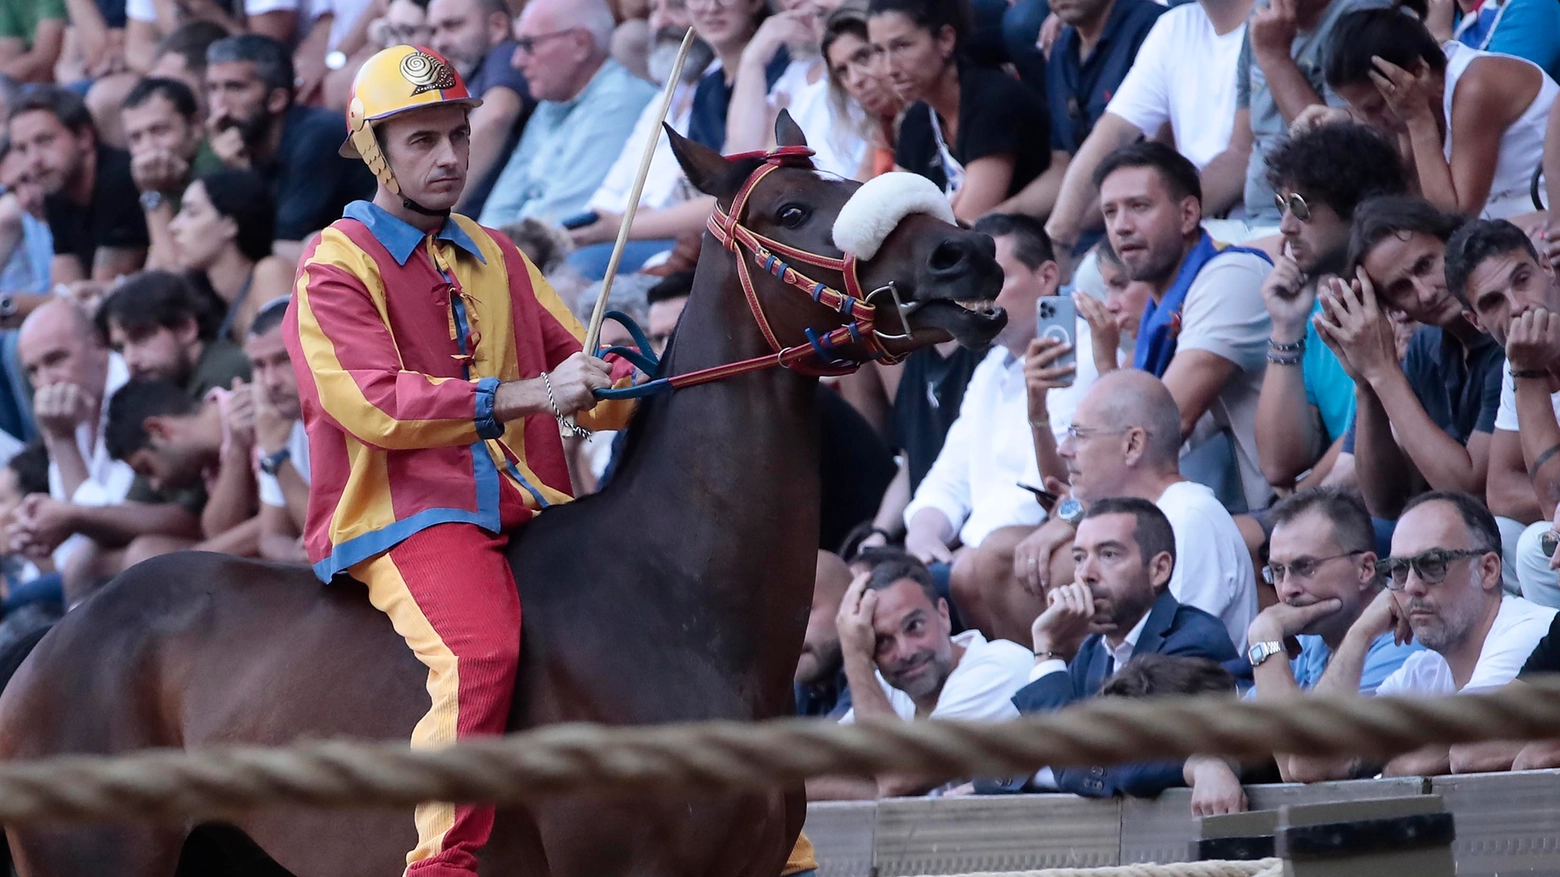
column 397, row 80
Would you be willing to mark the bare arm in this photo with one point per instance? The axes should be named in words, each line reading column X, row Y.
column 162, row 253
column 91, row 30
column 118, row 524
column 279, row 536
column 1552, row 160
column 278, row 24
column 1385, row 474
column 1039, row 197
column 1507, row 489
column 141, row 39
column 233, row 496
column 65, row 268
column 1078, row 201
column 1490, row 757
column 1328, row 466
column 1443, row 461
column 1341, row 679
column 986, row 182
column 1540, row 446
column 1492, row 96
column 1224, row 177
column 1431, row 761
column 891, row 511
column 111, row 262
column 1194, row 379
column 241, row 540
column 37, row 63
column 490, row 126
column 1287, row 430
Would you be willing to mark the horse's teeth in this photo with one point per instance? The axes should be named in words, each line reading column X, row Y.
column 976, row 306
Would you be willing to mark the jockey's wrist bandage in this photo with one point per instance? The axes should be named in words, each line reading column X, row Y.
column 552, row 402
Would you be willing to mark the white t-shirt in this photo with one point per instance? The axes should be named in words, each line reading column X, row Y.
column 665, row 185
column 1212, row 566
column 1184, row 74
column 108, row 480
column 1518, row 627
column 836, row 151
column 981, row 686
column 298, row 455
column 1506, row 415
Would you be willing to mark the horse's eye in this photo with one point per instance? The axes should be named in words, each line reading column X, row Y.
column 792, row 216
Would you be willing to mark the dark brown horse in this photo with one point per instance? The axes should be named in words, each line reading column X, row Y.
column 679, row 593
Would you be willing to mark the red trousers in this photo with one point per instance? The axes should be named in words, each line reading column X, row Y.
column 450, row 593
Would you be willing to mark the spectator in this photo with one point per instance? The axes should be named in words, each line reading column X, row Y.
column 25, row 474
column 1426, row 422
column 1119, row 608
column 473, row 35
column 588, row 104
column 280, row 440
column 971, row 508
column 149, row 23
column 255, row 125
column 90, row 195
column 1444, row 590
column 1321, row 176
column 1474, row 148
column 26, row 245
column 1279, row 77
column 902, row 661
column 1525, row 28
column 802, row 90
column 860, row 96
column 181, row 55
column 1183, row 77
column 163, row 132
column 974, row 130
column 821, row 686
column 1494, row 267
column 664, row 304
column 1205, row 331
column 223, row 236
column 1113, row 323
column 166, row 331
column 32, row 32
column 1124, row 442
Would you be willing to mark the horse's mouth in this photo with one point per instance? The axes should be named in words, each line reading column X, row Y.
column 971, row 322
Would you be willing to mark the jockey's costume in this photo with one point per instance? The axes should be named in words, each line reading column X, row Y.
column 400, row 340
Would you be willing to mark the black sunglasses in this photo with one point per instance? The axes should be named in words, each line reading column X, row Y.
column 1431, row 566
column 1294, row 204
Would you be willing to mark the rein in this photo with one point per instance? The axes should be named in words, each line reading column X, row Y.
column 818, row 357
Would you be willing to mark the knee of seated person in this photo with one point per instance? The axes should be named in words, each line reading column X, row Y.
column 964, row 582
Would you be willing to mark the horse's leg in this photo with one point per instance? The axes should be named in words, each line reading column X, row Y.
column 121, row 849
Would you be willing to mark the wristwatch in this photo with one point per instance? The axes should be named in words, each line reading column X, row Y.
column 1070, row 510
column 1260, row 652
column 151, row 200
column 270, row 465
column 7, row 305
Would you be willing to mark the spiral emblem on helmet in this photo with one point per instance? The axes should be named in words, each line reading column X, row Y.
column 426, row 72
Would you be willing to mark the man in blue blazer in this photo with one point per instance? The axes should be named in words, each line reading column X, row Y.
column 1118, row 606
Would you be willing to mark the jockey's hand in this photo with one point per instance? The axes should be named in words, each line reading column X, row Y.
column 575, row 381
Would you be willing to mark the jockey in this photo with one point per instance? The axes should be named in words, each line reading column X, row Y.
column 433, row 361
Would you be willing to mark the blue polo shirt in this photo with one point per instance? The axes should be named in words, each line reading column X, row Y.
column 1383, row 658
column 1459, row 389
column 1077, row 89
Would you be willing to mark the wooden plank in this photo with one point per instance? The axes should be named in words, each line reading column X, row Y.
column 995, row 833
column 841, row 834
column 1162, row 829
column 1336, row 850
column 1507, row 823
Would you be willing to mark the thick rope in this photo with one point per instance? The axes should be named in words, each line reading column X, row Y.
column 1258, row 868
column 715, row 756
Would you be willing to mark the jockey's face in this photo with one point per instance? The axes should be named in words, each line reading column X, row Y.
column 429, row 150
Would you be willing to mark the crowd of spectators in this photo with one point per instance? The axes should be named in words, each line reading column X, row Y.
column 1304, row 433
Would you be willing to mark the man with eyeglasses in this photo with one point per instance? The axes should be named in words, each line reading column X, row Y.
column 1318, row 178
column 587, row 106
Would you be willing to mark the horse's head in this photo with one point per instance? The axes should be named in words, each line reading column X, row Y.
column 894, row 247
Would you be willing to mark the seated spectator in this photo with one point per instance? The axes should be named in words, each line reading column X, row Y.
column 254, row 124
column 90, row 197
column 165, row 137
column 1425, row 422
column 181, row 55
column 587, row 106
column 974, row 130
column 165, row 330
column 223, row 237
column 902, row 661
column 151, row 26
column 1113, row 322
column 280, row 440
column 821, row 687
column 1474, row 147
column 25, row 580
column 1444, row 591
column 1125, row 441
column 862, row 100
column 1119, row 608
column 32, row 33
column 1525, row 28
column 1183, row 77
column 1494, row 267
column 1321, row 176
column 26, row 245
column 664, row 303
column 1205, row 330
column 473, row 35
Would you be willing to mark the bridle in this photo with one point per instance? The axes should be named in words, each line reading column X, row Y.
column 820, row 355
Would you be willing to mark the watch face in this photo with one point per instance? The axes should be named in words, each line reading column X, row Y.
column 1070, row 510
column 1548, row 542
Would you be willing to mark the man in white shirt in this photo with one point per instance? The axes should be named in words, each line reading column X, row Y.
column 280, row 440
column 1444, row 592
column 901, row 661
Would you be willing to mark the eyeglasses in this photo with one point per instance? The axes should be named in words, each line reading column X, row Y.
column 711, row 4
column 1431, row 567
column 1304, row 568
column 1078, row 434
column 1293, row 204
column 528, row 44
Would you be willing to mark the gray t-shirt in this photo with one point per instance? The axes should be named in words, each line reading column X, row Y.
column 1268, row 127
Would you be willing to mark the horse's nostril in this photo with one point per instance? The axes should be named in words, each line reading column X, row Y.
column 949, row 256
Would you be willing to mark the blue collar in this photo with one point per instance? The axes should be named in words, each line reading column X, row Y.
column 400, row 238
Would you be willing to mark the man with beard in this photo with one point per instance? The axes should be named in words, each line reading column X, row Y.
column 162, row 128
column 280, row 439
column 90, row 198
column 254, row 124
column 474, row 36
column 821, row 687
column 1205, row 330
column 903, row 662
column 166, row 331
column 1307, row 398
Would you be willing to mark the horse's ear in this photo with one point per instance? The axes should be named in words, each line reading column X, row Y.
column 707, row 170
column 787, row 132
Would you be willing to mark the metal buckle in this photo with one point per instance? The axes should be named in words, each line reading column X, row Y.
column 899, row 308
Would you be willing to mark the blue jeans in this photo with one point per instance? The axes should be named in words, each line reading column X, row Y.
column 592, row 261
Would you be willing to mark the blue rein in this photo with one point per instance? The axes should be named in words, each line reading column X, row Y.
column 640, row 355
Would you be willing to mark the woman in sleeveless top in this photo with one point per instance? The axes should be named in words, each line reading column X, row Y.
column 224, row 231
column 1470, row 124
column 860, row 96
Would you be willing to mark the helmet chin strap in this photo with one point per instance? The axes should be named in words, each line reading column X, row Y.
column 413, row 206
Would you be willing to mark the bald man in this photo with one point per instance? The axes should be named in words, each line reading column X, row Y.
column 1125, row 441
column 821, row 689
column 587, row 106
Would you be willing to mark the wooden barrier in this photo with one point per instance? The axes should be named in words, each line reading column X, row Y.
column 1507, row 824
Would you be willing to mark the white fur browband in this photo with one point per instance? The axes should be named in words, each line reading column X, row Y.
column 878, row 206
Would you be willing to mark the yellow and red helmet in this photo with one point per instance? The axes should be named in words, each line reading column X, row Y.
column 397, row 80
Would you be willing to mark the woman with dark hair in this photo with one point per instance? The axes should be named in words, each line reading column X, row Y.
column 223, row 233
column 860, row 97
column 972, row 129
column 1471, row 123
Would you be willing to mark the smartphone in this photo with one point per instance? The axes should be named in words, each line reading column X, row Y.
column 580, row 220
column 1057, row 317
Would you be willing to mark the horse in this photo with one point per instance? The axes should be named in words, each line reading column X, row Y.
column 679, row 593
